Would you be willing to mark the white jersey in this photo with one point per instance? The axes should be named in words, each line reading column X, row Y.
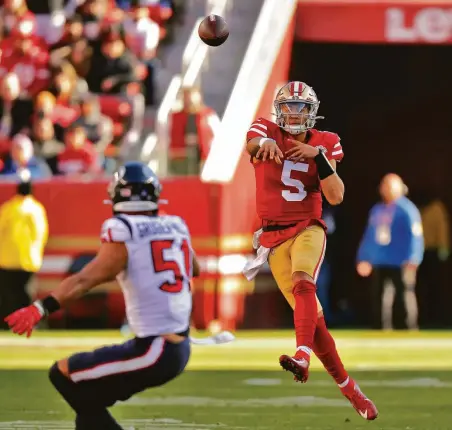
column 156, row 283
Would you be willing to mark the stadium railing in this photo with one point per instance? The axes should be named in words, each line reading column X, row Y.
column 194, row 60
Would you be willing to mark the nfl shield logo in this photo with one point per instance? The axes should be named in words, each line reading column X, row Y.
column 125, row 192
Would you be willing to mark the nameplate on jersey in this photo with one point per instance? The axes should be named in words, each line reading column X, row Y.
column 153, row 228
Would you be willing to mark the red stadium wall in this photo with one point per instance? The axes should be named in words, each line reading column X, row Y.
column 76, row 212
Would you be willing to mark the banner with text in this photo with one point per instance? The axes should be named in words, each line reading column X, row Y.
column 363, row 21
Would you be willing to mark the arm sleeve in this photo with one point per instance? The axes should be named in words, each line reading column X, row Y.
column 126, row 70
column 152, row 35
column 258, row 129
column 115, row 230
column 334, row 149
column 39, row 226
column 367, row 244
column 3, row 225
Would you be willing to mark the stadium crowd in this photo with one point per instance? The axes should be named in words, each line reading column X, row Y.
column 75, row 78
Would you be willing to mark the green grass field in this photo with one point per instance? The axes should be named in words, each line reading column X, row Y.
column 240, row 386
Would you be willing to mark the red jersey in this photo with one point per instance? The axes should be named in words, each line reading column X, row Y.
column 75, row 161
column 179, row 122
column 11, row 21
column 290, row 193
column 32, row 68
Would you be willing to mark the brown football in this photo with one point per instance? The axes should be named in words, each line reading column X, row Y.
column 213, row 30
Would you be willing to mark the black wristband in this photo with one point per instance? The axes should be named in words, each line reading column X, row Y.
column 50, row 304
column 323, row 165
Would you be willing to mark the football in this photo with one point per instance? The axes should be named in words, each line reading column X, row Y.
column 213, row 30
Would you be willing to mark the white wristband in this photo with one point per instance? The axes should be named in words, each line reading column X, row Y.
column 38, row 305
column 265, row 140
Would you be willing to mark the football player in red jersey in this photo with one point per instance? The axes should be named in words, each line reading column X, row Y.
column 294, row 163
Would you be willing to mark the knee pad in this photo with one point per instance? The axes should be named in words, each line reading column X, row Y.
column 56, row 377
column 67, row 388
column 304, row 287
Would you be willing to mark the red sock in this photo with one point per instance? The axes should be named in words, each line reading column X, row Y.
column 305, row 313
column 325, row 350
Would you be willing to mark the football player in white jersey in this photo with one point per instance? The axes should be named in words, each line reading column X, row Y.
column 152, row 259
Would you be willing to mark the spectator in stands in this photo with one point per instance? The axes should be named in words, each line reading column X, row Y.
column 178, row 8
column 10, row 121
column 99, row 18
column 12, row 13
column 72, row 33
column 391, row 250
column 74, row 46
column 47, row 60
column 25, row 57
column 192, row 129
column 24, row 232
column 95, row 8
column 92, row 22
column 22, row 157
column 44, row 105
column 98, row 127
column 80, row 57
column 172, row 13
column 64, row 85
column 114, row 69
column 79, row 156
column 46, row 146
column 436, row 226
column 142, row 37
column 60, row 115
column 49, row 18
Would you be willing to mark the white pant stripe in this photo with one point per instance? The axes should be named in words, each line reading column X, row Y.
column 146, row 360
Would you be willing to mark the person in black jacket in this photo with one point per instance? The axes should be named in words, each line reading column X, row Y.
column 114, row 69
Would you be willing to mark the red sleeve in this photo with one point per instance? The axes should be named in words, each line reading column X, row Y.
column 5, row 145
column 90, row 159
column 333, row 147
column 42, row 77
column 177, row 125
column 259, row 128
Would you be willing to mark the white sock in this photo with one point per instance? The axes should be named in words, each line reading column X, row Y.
column 305, row 349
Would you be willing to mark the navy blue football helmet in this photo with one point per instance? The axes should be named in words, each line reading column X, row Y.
column 135, row 188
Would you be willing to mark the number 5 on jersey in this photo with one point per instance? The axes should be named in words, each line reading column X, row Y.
column 163, row 263
column 301, row 193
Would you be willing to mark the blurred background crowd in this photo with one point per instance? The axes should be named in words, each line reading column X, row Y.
column 75, row 79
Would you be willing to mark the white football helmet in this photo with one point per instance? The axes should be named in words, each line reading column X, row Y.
column 296, row 106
